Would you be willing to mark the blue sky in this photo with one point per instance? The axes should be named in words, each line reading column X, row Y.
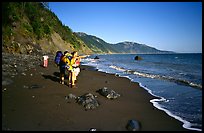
column 173, row 26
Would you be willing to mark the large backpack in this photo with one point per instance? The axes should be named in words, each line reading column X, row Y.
column 58, row 56
column 66, row 61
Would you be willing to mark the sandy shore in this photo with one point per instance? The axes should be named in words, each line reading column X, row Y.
column 36, row 101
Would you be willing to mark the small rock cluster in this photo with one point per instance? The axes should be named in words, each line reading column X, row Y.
column 88, row 100
column 14, row 64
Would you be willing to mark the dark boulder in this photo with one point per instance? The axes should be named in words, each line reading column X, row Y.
column 138, row 58
column 96, row 57
column 108, row 93
column 133, row 125
column 88, row 101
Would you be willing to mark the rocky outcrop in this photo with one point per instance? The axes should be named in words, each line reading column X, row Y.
column 96, row 57
column 138, row 58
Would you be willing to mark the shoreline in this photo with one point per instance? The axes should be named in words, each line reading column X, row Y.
column 36, row 101
column 187, row 125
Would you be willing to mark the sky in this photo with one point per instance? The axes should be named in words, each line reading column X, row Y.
column 171, row 26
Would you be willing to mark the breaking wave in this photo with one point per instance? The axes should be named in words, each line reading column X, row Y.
column 156, row 76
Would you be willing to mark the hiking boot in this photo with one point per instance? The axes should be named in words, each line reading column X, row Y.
column 61, row 82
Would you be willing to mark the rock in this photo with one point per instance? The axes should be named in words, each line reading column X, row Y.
column 108, row 93
column 96, row 57
column 4, row 89
column 25, row 87
column 88, row 101
column 71, row 96
column 138, row 58
column 92, row 129
column 23, row 73
column 5, row 73
column 6, row 81
column 133, row 125
column 35, row 86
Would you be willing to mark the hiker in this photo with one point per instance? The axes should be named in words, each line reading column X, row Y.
column 75, row 62
column 45, row 61
column 58, row 56
column 63, row 64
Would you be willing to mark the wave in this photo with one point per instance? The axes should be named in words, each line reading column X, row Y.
column 109, row 68
column 186, row 124
column 155, row 76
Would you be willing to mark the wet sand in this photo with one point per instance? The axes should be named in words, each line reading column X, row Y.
column 36, row 102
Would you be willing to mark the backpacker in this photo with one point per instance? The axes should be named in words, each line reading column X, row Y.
column 58, row 57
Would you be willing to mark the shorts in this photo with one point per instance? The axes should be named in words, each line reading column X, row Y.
column 76, row 71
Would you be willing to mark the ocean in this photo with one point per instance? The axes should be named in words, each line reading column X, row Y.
column 176, row 79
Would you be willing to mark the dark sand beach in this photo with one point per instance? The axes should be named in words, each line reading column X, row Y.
column 36, row 101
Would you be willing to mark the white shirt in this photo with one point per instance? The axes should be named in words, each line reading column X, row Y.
column 45, row 57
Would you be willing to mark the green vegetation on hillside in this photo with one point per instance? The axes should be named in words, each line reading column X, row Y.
column 96, row 44
column 30, row 27
column 33, row 20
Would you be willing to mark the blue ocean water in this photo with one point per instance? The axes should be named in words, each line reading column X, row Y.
column 175, row 78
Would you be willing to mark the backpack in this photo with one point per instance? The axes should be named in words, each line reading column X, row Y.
column 58, row 56
column 66, row 61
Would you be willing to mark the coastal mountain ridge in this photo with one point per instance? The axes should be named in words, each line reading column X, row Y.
column 100, row 46
column 32, row 28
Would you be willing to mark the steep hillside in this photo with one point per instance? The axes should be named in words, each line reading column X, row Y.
column 96, row 44
column 30, row 27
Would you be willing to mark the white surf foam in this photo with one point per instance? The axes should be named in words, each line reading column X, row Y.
column 186, row 124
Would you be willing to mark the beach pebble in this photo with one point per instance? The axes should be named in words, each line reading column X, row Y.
column 5, row 73
column 6, row 81
column 41, row 73
column 92, row 129
column 35, row 86
column 23, row 73
column 4, row 89
column 25, row 86
column 71, row 96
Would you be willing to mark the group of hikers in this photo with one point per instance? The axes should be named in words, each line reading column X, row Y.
column 68, row 62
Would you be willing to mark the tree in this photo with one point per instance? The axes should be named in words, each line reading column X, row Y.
column 45, row 4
